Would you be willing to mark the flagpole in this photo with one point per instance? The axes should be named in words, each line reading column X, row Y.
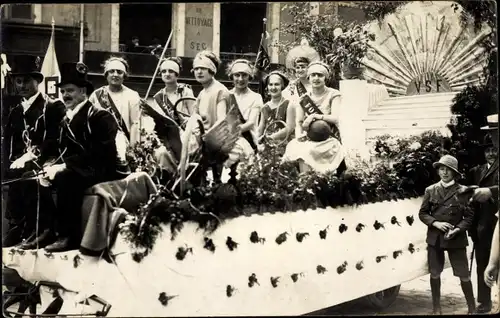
column 53, row 24
column 82, row 17
column 264, row 22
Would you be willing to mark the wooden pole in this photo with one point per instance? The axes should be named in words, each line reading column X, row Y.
column 152, row 81
column 82, row 17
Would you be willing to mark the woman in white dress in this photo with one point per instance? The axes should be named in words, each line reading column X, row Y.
column 249, row 104
column 317, row 144
column 278, row 108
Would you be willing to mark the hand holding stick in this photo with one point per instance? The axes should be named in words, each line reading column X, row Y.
column 153, row 80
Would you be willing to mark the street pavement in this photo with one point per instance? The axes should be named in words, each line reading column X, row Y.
column 415, row 299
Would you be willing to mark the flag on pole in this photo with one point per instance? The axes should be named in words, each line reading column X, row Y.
column 50, row 69
column 262, row 62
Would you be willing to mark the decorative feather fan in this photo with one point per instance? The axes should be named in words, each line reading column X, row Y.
column 417, row 47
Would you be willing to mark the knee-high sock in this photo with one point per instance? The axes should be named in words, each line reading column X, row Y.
column 436, row 293
column 468, row 293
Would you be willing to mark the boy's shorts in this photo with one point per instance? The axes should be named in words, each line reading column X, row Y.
column 458, row 260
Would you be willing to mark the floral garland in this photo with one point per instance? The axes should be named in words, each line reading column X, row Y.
column 266, row 184
column 141, row 156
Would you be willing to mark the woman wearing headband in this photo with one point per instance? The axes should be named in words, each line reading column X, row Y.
column 278, row 108
column 317, row 145
column 122, row 101
column 211, row 103
column 164, row 103
column 249, row 104
column 166, row 98
column 301, row 82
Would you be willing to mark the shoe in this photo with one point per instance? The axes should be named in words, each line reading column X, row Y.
column 61, row 245
column 41, row 241
column 483, row 308
column 13, row 236
column 437, row 311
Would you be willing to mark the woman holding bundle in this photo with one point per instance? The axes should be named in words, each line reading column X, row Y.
column 317, row 145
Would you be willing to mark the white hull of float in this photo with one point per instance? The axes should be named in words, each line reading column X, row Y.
column 199, row 281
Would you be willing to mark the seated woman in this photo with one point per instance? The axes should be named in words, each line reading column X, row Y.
column 164, row 101
column 317, row 145
column 166, row 98
column 300, row 85
column 212, row 102
column 278, row 108
column 249, row 105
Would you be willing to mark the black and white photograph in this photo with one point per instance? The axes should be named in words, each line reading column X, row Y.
column 190, row 159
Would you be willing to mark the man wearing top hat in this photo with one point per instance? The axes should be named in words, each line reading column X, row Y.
column 88, row 154
column 485, row 207
column 30, row 140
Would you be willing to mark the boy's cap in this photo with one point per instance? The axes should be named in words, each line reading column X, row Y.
column 447, row 161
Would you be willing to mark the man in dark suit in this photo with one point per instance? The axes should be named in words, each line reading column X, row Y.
column 88, row 152
column 30, row 140
column 485, row 207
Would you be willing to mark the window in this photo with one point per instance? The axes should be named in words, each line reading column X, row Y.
column 20, row 12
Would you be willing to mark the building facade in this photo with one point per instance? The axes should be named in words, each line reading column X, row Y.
column 109, row 29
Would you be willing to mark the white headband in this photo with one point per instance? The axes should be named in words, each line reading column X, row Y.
column 204, row 62
column 115, row 65
column 170, row 65
column 240, row 67
column 317, row 68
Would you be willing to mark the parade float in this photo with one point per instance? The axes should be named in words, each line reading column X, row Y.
column 270, row 242
column 283, row 244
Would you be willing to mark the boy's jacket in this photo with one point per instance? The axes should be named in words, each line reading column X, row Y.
column 443, row 205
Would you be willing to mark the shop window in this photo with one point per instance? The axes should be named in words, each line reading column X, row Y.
column 18, row 12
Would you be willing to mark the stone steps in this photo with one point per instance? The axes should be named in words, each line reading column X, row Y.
column 409, row 115
column 419, row 99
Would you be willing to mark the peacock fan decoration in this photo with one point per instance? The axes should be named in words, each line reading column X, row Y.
column 417, row 52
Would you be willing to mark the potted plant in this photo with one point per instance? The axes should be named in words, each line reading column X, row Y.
column 342, row 50
column 348, row 50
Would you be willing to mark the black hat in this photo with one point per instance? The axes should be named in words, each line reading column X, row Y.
column 319, row 130
column 487, row 142
column 280, row 74
column 27, row 65
column 75, row 73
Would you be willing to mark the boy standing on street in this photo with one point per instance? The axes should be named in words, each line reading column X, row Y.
column 447, row 219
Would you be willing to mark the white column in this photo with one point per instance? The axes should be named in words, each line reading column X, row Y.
column 37, row 13
column 216, row 24
column 275, row 8
column 115, row 27
column 353, row 110
column 180, row 28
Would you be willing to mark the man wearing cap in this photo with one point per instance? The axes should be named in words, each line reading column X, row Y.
column 485, row 203
column 448, row 219
column 31, row 139
column 88, row 154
